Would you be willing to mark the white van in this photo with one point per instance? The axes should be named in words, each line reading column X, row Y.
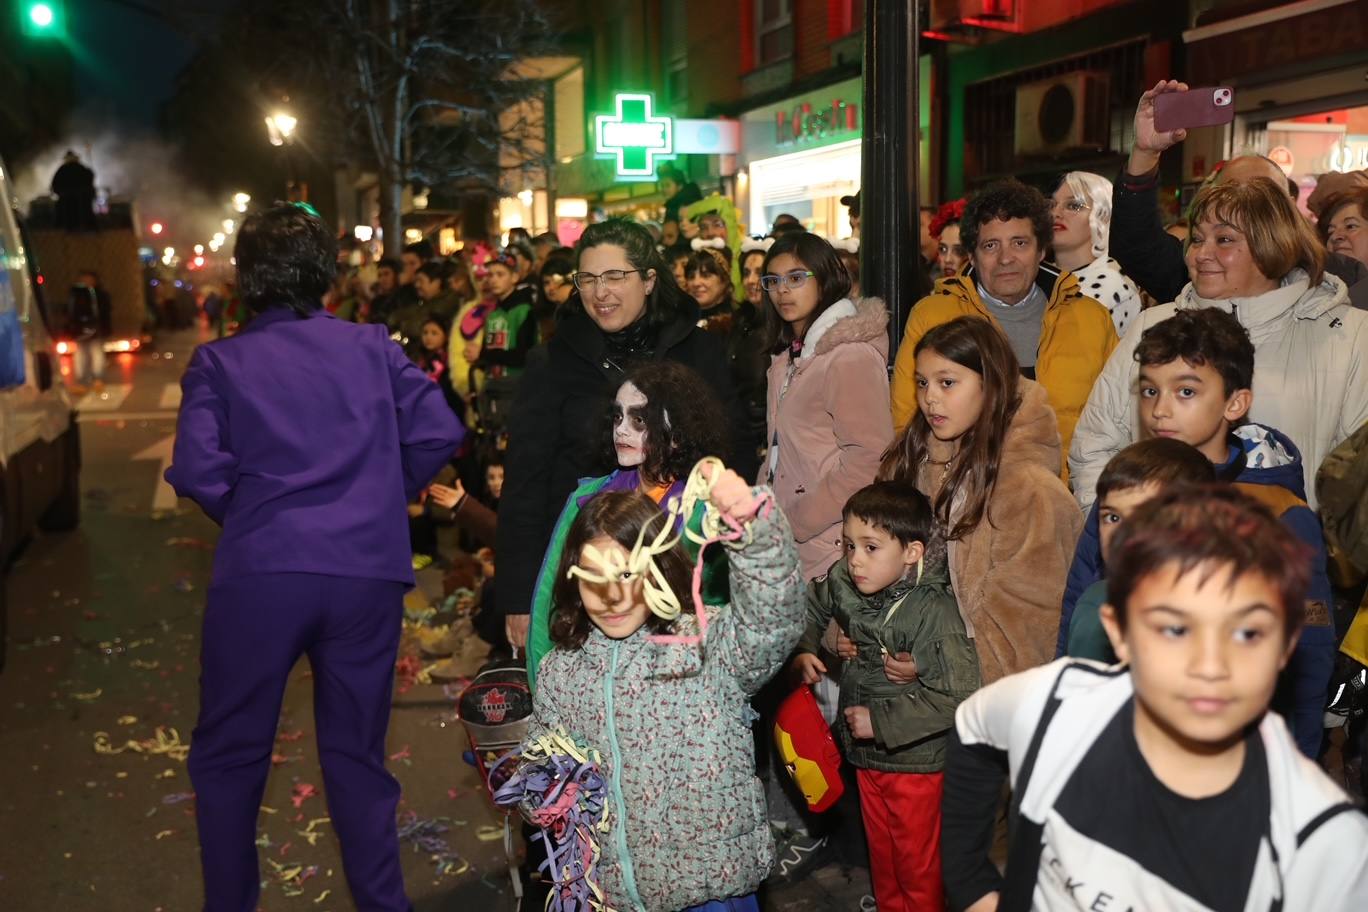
column 40, row 447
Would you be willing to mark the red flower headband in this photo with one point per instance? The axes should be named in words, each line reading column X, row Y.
column 949, row 212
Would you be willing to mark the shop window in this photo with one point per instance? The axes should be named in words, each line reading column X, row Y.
column 773, row 31
column 569, row 112
column 675, row 30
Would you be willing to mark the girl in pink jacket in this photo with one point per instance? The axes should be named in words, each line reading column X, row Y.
column 828, row 418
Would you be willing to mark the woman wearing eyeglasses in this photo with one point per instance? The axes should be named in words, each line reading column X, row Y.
column 628, row 310
column 1081, row 207
column 828, row 413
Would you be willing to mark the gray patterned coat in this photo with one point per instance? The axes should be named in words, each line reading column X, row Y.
column 673, row 725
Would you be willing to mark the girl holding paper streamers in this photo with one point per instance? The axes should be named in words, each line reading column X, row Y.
column 663, row 420
column 658, row 686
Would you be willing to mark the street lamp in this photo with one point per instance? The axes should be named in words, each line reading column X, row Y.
column 240, row 201
column 280, row 127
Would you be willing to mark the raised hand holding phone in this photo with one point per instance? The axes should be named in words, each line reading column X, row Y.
column 1149, row 141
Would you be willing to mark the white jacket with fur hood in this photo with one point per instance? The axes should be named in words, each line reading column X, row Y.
column 1310, row 375
column 828, row 424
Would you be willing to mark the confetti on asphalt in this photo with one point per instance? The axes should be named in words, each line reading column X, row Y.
column 426, row 836
column 188, row 543
column 310, row 832
column 164, row 833
column 128, row 720
column 166, row 741
column 291, row 736
column 90, row 697
column 178, row 797
column 403, row 754
column 489, row 833
column 144, row 664
column 322, row 896
column 302, row 792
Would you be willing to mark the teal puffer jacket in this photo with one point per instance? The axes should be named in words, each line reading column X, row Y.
column 911, row 721
column 673, row 725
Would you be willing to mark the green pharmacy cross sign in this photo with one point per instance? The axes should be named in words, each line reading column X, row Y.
column 635, row 136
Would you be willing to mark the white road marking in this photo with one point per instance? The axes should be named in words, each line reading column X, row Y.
column 106, row 400
column 164, row 497
column 170, row 397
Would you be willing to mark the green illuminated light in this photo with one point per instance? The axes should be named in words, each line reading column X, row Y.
column 41, row 15
column 634, row 136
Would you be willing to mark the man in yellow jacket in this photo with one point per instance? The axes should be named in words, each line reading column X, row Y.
column 1061, row 337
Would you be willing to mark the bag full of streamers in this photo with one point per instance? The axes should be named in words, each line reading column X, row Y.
column 560, row 787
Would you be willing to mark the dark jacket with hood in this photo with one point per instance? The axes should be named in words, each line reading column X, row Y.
column 554, row 428
column 1278, row 483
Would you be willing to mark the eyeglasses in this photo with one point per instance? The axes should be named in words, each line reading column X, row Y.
column 1075, row 206
column 790, row 280
column 613, row 278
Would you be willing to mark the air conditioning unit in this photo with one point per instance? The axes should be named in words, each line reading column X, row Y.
column 1066, row 113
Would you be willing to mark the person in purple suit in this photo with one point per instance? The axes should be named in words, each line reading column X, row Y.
column 303, row 436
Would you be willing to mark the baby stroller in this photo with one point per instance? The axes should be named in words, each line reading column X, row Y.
column 494, row 710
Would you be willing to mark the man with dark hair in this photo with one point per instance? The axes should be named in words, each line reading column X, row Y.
column 784, row 223
column 852, row 204
column 385, row 299
column 1060, row 336
column 303, row 436
column 1163, row 782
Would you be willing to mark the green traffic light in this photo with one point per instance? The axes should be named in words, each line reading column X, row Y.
column 41, row 15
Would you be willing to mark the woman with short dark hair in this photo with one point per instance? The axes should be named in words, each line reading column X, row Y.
column 628, row 310
column 303, row 436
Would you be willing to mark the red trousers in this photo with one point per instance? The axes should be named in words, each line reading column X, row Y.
column 902, row 822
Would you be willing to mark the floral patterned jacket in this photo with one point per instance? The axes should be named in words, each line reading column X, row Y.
column 673, row 725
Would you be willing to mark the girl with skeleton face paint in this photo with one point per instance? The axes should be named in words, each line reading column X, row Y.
column 662, row 421
column 629, row 426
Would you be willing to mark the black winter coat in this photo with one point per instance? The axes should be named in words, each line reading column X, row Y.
column 555, row 427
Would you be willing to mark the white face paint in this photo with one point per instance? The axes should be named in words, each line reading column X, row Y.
column 629, row 426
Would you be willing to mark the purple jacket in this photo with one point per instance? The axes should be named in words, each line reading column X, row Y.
column 305, row 438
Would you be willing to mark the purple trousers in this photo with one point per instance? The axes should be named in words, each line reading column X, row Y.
column 255, row 629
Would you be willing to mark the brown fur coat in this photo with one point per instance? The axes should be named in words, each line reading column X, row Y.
column 1009, row 572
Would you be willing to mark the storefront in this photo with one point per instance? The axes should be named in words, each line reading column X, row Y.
column 801, row 155
column 1300, row 92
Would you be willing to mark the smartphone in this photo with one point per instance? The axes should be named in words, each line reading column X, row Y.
column 1205, row 107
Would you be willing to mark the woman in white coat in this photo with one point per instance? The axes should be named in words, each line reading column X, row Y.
column 1251, row 254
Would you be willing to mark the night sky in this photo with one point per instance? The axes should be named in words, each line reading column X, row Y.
column 127, row 60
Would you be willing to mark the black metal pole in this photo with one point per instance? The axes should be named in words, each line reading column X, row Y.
column 890, row 260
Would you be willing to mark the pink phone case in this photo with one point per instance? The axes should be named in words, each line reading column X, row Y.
column 1204, row 107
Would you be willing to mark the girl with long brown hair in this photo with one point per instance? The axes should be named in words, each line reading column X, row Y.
column 984, row 447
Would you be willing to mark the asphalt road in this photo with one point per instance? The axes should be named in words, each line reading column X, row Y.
column 99, row 698
column 104, row 638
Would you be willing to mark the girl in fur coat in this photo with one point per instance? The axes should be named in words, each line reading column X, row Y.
column 984, row 447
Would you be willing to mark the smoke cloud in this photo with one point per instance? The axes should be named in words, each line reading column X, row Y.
column 138, row 168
